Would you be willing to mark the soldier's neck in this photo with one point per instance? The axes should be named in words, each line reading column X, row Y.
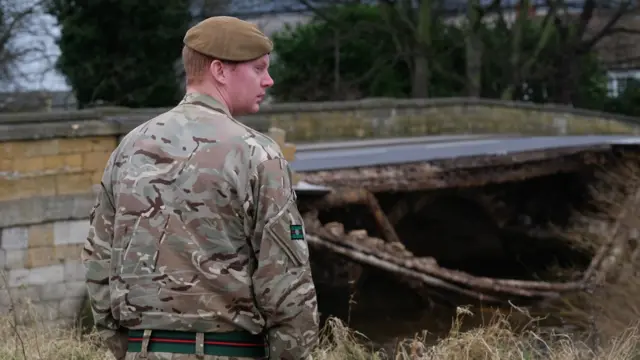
column 212, row 92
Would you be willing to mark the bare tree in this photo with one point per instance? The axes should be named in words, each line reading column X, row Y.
column 581, row 31
column 474, row 46
column 473, row 42
column 25, row 31
column 411, row 27
column 513, row 23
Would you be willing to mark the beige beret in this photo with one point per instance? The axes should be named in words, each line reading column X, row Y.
column 228, row 38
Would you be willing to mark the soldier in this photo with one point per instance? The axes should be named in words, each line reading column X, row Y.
column 196, row 247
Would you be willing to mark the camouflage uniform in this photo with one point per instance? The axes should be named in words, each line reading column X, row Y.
column 196, row 229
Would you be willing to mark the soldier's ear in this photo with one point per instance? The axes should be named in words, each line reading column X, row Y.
column 219, row 71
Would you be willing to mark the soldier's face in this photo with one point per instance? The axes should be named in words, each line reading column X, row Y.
column 247, row 85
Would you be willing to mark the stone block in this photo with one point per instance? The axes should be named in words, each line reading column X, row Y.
column 75, row 183
column 289, row 152
column 76, row 145
column 37, row 186
column 76, row 288
column 96, row 178
column 24, row 166
column 68, row 252
column 53, row 291
column 46, row 275
column 44, row 209
column 15, row 259
column 27, row 149
column 47, row 310
column 18, row 277
column 70, row 232
column 25, row 295
column 63, row 163
column 6, row 190
column 14, row 238
column 95, row 160
column 278, row 135
column 74, row 270
column 41, row 147
column 12, row 149
column 41, row 256
column 53, row 163
column 104, row 143
column 40, row 235
column 70, row 307
column 28, row 187
column 73, row 161
column 5, row 298
column 5, row 165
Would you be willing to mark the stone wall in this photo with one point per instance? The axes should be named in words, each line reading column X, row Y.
column 45, row 195
column 306, row 122
column 50, row 163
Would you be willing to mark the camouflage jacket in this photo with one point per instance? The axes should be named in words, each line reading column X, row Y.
column 196, row 228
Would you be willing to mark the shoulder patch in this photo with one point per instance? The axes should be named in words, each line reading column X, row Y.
column 297, row 232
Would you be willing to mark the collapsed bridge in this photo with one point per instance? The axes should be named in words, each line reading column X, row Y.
column 483, row 218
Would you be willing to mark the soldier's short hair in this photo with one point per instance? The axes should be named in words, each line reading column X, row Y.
column 223, row 38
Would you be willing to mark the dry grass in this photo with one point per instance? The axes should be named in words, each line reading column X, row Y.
column 497, row 340
column 40, row 342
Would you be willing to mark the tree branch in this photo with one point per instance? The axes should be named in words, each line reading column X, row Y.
column 585, row 16
column 606, row 29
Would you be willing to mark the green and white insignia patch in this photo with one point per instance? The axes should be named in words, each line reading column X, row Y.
column 297, row 232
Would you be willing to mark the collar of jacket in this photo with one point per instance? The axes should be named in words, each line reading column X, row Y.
column 206, row 101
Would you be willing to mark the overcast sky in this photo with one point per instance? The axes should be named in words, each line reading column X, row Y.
column 40, row 66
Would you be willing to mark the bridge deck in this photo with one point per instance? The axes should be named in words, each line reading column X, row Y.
column 402, row 151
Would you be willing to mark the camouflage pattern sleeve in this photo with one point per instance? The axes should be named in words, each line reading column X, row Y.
column 96, row 257
column 283, row 285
